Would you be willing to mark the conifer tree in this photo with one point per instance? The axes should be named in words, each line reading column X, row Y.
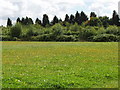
column 37, row 21
column 83, row 17
column 18, row 20
column 77, row 18
column 72, row 19
column 66, row 18
column 45, row 20
column 115, row 18
column 92, row 14
column 9, row 22
column 55, row 20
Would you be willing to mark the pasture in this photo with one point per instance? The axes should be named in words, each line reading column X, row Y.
column 60, row 64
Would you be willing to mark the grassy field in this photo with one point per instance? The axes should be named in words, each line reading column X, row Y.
column 60, row 64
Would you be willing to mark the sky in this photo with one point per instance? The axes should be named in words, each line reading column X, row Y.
column 36, row 8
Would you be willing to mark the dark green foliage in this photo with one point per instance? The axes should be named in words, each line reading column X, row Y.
column 44, row 37
column 83, row 17
column 45, row 20
column 18, row 20
column 27, row 21
column 105, row 21
column 66, row 38
column 9, row 22
column 30, row 33
column 57, row 30
column 94, row 21
column 30, row 21
column 9, row 38
column 23, row 21
column 86, row 33
column 92, row 14
column 6, row 38
column 37, row 21
column 106, row 38
column 55, row 20
column 113, row 30
column 15, row 31
column 67, row 18
column 77, row 18
column 72, row 19
column 60, row 20
column 74, row 28
column 115, row 18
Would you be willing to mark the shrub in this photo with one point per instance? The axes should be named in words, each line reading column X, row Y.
column 29, row 33
column 74, row 27
column 15, row 31
column 87, row 32
column 67, row 32
column 44, row 37
column 113, row 30
column 57, row 30
column 9, row 38
column 34, row 38
column 66, row 38
column 105, row 38
column 6, row 38
column 101, row 30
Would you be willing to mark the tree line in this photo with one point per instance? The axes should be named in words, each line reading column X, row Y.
column 79, row 18
column 78, row 27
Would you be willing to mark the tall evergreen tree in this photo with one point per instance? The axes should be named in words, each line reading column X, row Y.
column 30, row 21
column 94, row 21
column 72, row 19
column 37, row 21
column 92, row 14
column 18, row 20
column 77, row 18
column 26, row 20
column 115, row 18
column 55, row 20
column 9, row 22
column 60, row 20
column 45, row 20
column 23, row 21
column 105, row 21
column 66, row 18
column 83, row 17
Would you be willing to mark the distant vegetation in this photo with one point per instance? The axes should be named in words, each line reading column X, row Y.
column 76, row 27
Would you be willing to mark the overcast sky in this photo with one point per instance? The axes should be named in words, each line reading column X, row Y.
column 36, row 8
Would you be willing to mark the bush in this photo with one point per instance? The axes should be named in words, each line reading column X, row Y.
column 113, row 30
column 66, row 38
column 44, row 37
column 15, row 31
column 87, row 32
column 30, row 33
column 34, row 38
column 74, row 27
column 57, row 30
column 8, row 38
column 105, row 38
column 101, row 30
column 94, row 21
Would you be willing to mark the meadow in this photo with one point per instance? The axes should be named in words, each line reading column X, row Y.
column 59, row 64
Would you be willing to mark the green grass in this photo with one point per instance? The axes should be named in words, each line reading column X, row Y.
column 60, row 64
